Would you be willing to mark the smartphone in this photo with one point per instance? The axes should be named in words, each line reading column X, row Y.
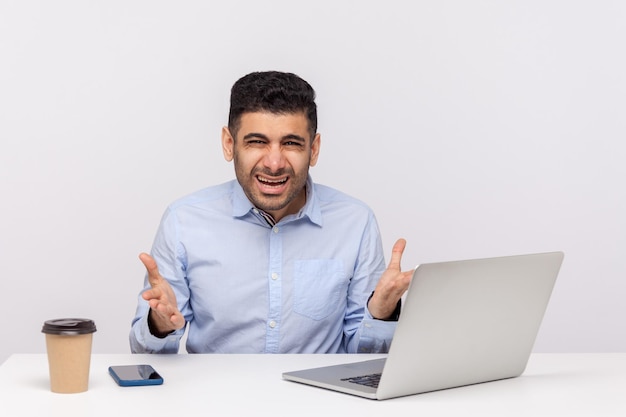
column 135, row 375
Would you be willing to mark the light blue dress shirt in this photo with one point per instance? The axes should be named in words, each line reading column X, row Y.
column 244, row 286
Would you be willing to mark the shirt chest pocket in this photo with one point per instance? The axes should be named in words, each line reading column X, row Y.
column 319, row 287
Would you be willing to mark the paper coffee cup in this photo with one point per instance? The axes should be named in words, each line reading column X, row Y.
column 68, row 343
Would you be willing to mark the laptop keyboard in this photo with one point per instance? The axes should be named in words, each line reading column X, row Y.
column 370, row 380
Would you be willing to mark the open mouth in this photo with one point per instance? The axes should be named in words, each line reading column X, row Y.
column 272, row 183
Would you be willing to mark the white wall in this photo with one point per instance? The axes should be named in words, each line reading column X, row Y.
column 473, row 129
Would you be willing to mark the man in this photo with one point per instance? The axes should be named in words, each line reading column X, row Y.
column 270, row 262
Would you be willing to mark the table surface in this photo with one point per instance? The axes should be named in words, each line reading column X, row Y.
column 251, row 385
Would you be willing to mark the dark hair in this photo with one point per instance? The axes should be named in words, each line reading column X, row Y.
column 272, row 91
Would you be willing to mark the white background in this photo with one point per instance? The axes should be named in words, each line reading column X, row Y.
column 472, row 128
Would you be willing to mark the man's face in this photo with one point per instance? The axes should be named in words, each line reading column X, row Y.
column 272, row 154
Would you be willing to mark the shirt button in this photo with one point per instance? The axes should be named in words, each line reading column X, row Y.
column 274, row 276
column 272, row 324
column 275, row 229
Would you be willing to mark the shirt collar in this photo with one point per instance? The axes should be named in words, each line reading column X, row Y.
column 311, row 210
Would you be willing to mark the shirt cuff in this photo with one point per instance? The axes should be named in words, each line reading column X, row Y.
column 149, row 343
column 376, row 335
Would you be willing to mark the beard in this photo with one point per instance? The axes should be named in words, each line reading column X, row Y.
column 273, row 202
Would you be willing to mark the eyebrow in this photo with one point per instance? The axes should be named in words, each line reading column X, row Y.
column 290, row 136
column 255, row 135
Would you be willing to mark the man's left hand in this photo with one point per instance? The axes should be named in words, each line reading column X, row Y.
column 391, row 286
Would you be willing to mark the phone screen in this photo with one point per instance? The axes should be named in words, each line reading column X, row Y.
column 133, row 375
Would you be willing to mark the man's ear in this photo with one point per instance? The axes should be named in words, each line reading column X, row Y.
column 228, row 144
column 315, row 149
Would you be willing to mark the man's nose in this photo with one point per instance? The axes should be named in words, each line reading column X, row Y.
column 274, row 159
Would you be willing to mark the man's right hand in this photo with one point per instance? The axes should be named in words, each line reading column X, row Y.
column 164, row 314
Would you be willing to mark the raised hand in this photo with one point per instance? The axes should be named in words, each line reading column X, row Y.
column 391, row 285
column 164, row 314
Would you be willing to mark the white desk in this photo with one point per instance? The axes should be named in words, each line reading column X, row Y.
column 251, row 385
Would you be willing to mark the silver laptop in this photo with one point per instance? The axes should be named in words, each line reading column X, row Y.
column 462, row 322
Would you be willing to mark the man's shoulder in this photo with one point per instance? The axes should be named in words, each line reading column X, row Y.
column 329, row 195
column 204, row 196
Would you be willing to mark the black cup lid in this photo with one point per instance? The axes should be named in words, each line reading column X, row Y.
column 69, row 326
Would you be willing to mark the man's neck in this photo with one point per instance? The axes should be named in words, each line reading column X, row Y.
column 294, row 207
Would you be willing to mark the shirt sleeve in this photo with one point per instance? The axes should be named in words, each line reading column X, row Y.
column 170, row 261
column 376, row 335
column 142, row 341
column 365, row 334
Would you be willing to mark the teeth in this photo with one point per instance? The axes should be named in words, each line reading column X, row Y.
column 267, row 181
